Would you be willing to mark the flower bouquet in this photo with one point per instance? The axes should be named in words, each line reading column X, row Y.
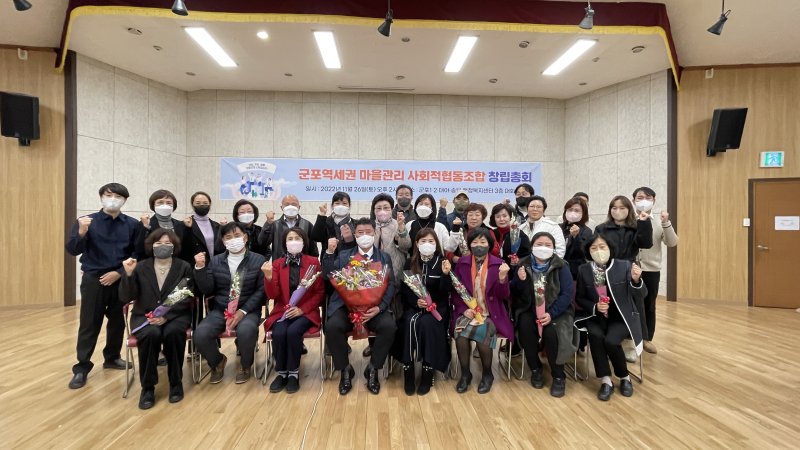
column 180, row 293
column 233, row 297
column 308, row 279
column 541, row 307
column 470, row 301
column 361, row 284
column 417, row 286
column 600, row 285
column 516, row 241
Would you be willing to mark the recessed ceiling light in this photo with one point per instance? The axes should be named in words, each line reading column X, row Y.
column 638, row 49
column 595, row 59
column 524, row 44
column 400, row 77
column 582, row 84
column 406, row 39
column 191, row 74
column 287, row 74
column 210, row 45
column 157, row 48
column 327, row 48
column 460, row 53
column 134, row 31
column 493, row 80
column 569, row 56
column 263, row 35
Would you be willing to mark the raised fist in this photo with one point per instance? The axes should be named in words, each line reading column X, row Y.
column 332, row 244
column 145, row 219
column 188, row 221
column 83, row 225
column 270, row 217
column 521, row 274
column 129, row 265
column 323, row 209
column 443, row 202
column 200, row 260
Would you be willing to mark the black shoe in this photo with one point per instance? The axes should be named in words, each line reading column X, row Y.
column 293, row 385
column 373, row 383
column 409, row 378
column 176, row 393
column 537, row 379
column 78, row 380
column 463, row 382
column 346, row 381
column 162, row 362
column 117, row 364
column 278, row 384
column 605, row 391
column 425, row 380
column 559, row 387
column 147, row 399
column 367, row 352
column 304, row 351
column 626, row 388
column 486, row 383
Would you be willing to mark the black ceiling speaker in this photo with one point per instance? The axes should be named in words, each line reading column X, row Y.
column 726, row 130
column 19, row 117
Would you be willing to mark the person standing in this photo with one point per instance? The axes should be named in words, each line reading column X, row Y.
column 273, row 230
column 245, row 213
column 460, row 203
column 163, row 203
column 104, row 240
column 405, row 195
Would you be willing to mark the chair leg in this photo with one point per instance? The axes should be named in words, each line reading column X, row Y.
column 640, row 376
column 522, row 366
column 130, row 372
column 321, row 357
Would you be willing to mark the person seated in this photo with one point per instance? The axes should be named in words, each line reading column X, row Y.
column 378, row 319
column 608, row 289
column 289, row 323
column 236, row 266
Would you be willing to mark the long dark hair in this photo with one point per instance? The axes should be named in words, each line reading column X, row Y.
column 416, row 258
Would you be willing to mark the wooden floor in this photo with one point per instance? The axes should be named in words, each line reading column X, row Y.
column 725, row 376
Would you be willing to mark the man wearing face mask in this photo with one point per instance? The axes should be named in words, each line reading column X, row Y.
column 405, row 195
column 104, row 240
column 378, row 319
column 460, row 203
column 651, row 258
column 163, row 203
column 273, row 230
column 216, row 279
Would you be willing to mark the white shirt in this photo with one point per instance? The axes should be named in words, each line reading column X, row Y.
column 234, row 261
column 547, row 226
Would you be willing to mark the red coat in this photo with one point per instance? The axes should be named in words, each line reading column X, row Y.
column 278, row 290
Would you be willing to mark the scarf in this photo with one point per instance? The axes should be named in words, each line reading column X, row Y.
column 293, row 259
column 164, row 221
column 539, row 268
column 479, row 282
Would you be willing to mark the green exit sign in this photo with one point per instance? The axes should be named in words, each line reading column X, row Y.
column 771, row 159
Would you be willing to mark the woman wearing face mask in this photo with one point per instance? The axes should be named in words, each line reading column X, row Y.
column 148, row 283
column 391, row 235
column 627, row 232
column 162, row 203
column 486, row 279
column 609, row 289
column 289, row 323
column 418, row 332
column 575, row 232
column 475, row 214
column 246, row 213
column 338, row 225
column 545, row 277
column 501, row 219
column 202, row 233
column 423, row 207
column 521, row 195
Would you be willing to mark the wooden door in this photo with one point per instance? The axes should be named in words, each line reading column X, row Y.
column 775, row 241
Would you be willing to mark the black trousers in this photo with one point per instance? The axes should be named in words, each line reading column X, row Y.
column 528, row 333
column 651, row 281
column 605, row 342
column 338, row 324
column 98, row 301
column 172, row 337
column 287, row 342
column 205, row 337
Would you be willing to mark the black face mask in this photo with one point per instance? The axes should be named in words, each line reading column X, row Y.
column 202, row 210
column 480, row 250
column 522, row 202
column 404, row 202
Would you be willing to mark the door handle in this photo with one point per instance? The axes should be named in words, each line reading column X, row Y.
column 762, row 247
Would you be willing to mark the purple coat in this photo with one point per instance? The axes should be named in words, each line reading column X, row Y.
column 497, row 294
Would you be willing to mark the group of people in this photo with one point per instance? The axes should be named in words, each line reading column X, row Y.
column 524, row 277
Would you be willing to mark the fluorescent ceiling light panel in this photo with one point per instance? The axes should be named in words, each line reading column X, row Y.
column 204, row 39
column 460, row 53
column 327, row 48
column 570, row 56
column 263, row 35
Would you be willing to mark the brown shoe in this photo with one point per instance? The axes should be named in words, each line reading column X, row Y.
column 650, row 348
column 242, row 375
column 218, row 372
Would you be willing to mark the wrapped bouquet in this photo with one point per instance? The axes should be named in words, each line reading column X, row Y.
column 179, row 294
column 308, row 279
column 417, row 286
column 361, row 284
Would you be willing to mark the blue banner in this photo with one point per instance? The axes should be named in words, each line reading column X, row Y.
column 319, row 179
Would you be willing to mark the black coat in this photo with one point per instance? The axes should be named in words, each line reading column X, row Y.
column 195, row 243
column 574, row 254
column 272, row 235
column 627, row 240
column 142, row 288
column 626, row 296
column 215, row 279
column 253, row 232
column 325, row 228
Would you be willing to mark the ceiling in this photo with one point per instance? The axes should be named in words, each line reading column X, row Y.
column 757, row 32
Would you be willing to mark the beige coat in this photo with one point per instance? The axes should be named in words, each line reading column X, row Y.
column 651, row 257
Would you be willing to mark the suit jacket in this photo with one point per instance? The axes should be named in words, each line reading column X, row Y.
column 336, row 262
column 142, row 288
column 278, row 289
column 215, row 279
column 271, row 237
column 497, row 294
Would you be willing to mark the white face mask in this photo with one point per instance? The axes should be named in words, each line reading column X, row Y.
column 423, row 211
column 235, row 245
column 341, row 210
column 573, row 217
column 619, row 214
column 112, row 204
column 365, row 241
column 644, row 205
column 542, row 253
column 426, row 248
column 294, row 247
column 291, row 211
column 163, row 210
column 246, row 217
column 601, row 256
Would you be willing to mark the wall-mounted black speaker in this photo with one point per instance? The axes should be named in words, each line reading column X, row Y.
column 726, row 130
column 19, row 117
